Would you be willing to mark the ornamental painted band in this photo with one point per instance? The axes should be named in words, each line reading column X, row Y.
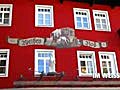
column 60, row 38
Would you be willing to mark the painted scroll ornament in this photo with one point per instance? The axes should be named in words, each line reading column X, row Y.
column 60, row 38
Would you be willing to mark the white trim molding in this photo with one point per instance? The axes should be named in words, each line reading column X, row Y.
column 108, row 64
column 6, row 14
column 82, row 19
column 44, row 61
column 101, row 20
column 86, row 63
column 44, row 16
column 4, row 62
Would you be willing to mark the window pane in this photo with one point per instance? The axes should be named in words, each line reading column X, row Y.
column 47, row 16
column 109, row 63
column 40, row 22
column 2, row 62
column 47, row 22
column 97, row 20
column 83, row 69
column 5, row 9
column 1, row 9
column 50, row 54
column 89, row 64
column 0, row 15
column 8, row 9
column 84, row 19
column 78, row 19
column 79, row 25
column 40, row 16
column 2, row 69
column 104, row 64
column 47, row 66
column 103, row 20
column 6, row 15
column 104, row 26
column 110, row 70
column 105, row 70
column 82, row 63
column 0, row 20
column 40, row 19
column 39, row 55
column 85, row 25
column 46, row 54
column 40, row 66
column 47, row 63
column 98, row 26
column 6, row 21
column 90, row 70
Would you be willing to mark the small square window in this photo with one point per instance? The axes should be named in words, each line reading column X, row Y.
column 44, row 16
column 5, row 14
column 108, row 63
column 86, row 64
column 44, row 61
column 82, row 19
column 101, row 20
column 4, row 62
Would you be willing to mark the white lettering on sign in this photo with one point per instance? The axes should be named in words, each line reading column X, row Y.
column 105, row 75
column 31, row 41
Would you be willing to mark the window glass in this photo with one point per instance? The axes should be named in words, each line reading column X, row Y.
column 86, row 63
column 82, row 19
column 108, row 63
column 44, row 61
column 101, row 20
column 44, row 16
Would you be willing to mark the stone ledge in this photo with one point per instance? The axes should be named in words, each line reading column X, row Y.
column 66, row 83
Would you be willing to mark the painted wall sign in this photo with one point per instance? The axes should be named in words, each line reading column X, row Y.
column 61, row 38
column 26, row 42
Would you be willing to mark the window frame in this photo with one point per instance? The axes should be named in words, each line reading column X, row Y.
column 88, row 17
column 115, row 61
column 51, row 15
column 7, row 62
column 10, row 14
column 36, row 72
column 106, row 19
column 93, row 62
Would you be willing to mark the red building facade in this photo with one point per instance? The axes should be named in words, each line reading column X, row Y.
column 27, row 19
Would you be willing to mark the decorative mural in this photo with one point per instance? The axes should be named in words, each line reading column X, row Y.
column 60, row 38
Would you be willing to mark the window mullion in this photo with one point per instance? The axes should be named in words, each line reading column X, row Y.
column 108, row 67
column 44, row 19
column 101, row 65
column 44, row 65
column 101, row 23
column 86, row 66
column 3, row 18
column 82, row 21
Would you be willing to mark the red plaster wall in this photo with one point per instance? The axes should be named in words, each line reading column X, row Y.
column 23, row 26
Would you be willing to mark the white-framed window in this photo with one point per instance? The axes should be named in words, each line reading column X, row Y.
column 82, row 19
column 44, row 16
column 4, row 62
column 5, row 14
column 44, row 61
column 101, row 20
column 108, row 63
column 86, row 63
